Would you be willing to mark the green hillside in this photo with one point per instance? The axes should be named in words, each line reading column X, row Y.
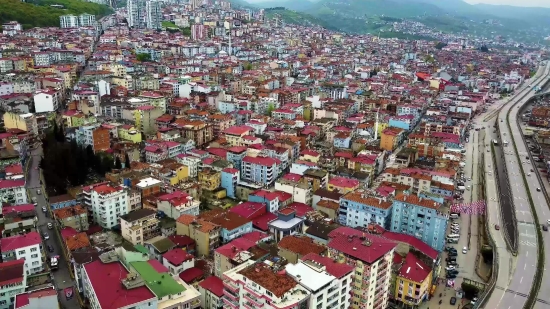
column 294, row 17
column 38, row 13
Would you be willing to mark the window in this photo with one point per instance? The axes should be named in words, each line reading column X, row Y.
column 34, row 249
column 22, row 252
column 34, row 256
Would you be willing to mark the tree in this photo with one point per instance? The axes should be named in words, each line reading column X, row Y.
column 186, row 31
column 118, row 164
column 270, row 108
column 126, row 160
column 143, row 57
column 484, row 49
column 440, row 45
column 487, row 254
column 247, row 66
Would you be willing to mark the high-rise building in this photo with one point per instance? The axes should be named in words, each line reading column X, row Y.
column 86, row 20
column 198, row 32
column 154, row 14
column 136, row 13
column 68, row 21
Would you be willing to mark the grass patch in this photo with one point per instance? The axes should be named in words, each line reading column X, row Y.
column 168, row 24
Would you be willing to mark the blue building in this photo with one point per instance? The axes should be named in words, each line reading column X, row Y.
column 232, row 226
column 359, row 210
column 62, row 201
column 230, row 178
column 235, row 155
column 342, row 141
column 421, row 218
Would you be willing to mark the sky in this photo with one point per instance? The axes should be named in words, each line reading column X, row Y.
column 536, row 3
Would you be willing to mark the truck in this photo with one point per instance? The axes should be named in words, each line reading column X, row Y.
column 54, row 262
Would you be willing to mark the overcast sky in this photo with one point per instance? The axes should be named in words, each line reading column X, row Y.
column 539, row 3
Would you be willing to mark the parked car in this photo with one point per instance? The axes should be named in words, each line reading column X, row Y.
column 473, row 302
column 465, row 250
column 449, row 248
column 452, row 253
column 50, row 248
column 538, row 189
column 545, row 228
column 497, row 227
column 451, row 258
column 44, row 208
column 452, row 263
column 46, row 236
column 450, row 276
column 450, row 267
column 453, row 301
column 50, row 226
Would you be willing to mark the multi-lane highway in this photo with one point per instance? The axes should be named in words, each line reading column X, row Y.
column 524, row 266
column 515, row 276
column 539, row 201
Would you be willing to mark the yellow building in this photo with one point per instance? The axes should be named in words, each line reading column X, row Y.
column 25, row 122
column 342, row 185
column 205, row 234
column 129, row 133
column 390, row 138
column 170, row 171
column 234, row 135
column 209, row 179
column 413, row 282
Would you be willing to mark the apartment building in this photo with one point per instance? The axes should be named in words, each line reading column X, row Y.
column 372, row 257
column 261, row 170
column 13, row 191
column 259, row 285
column 234, row 135
column 25, row 122
column 37, row 299
column 73, row 216
column 94, row 135
column 413, row 281
column 421, row 218
column 205, row 234
column 153, row 11
column 211, row 290
column 358, row 209
column 13, row 281
column 26, row 247
column 178, row 203
column 139, row 226
column 328, row 283
column 107, row 203
column 68, row 21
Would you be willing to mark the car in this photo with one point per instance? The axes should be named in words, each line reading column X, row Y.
column 50, row 248
column 451, row 259
column 464, row 250
column 497, row 227
column 532, row 170
column 450, row 267
column 548, row 221
column 50, row 226
column 488, row 150
column 452, row 250
column 469, row 179
column 452, row 254
column 452, row 272
column 452, row 263
column 528, row 174
column 538, row 189
column 450, row 276
column 44, row 208
column 527, row 157
column 448, row 248
column 453, row 301
column 545, row 228
column 46, row 236
column 473, row 302
column 38, row 192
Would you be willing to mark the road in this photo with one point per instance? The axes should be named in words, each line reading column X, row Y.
column 541, row 207
column 62, row 277
column 524, row 266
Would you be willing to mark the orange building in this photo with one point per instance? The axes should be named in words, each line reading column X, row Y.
column 101, row 139
column 390, row 139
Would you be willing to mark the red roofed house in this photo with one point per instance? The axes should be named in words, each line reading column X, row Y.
column 44, row 298
column 261, row 170
column 13, row 280
column 342, row 184
column 231, row 255
column 211, row 290
column 177, row 260
column 413, row 282
column 106, row 287
column 18, row 219
column 13, row 191
column 234, row 135
column 349, row 246
column 105, row 201
column 27, row 247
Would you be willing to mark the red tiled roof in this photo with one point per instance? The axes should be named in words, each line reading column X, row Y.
column 231, row 249
column 264, row 161
column 213, row 284
column 20, row 241
column 348, row 241
column 22, row 300
column 261, row 222
column 11, row 183
column 177, row 256
column 191, row 274
column 343, row 182
column 12, row 271
column 300, row 208
column 300, row 245
column 255, row 236
column 414, row 269
column 238, row 130
column 338, row 270
column 106, row 282
column 249, row 210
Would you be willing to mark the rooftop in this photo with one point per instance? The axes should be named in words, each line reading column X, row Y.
column 12, row 271
column 300, row 245
column 177, row 256
column 414, row 269
column 277, row 283
column 359, row 245
column 20, row 241
column 338, row 270
column 162, row 284
column 106, row 280
column 213, row 284
column 311, row 275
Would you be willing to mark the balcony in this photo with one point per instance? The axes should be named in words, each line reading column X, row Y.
column 231, row 296
column 230, row 303
column 253, row 300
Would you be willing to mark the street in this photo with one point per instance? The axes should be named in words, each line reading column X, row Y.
column 62, row 277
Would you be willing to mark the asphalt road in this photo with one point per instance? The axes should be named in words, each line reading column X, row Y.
column 62, row 277
column 542, row 209
column 524, row 267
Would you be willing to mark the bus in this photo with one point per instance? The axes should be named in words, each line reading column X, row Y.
column 495, row 142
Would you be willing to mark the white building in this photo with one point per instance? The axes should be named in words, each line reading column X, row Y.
column 107, row 203
column 13, row 191
column 260, row 285
column 13, row 282
column 191, row 162
column 68, row 21
column 26, row 247
column 329, row 283
column 11, row 28
column 42, row 59
column 46, row 101
column 136, row 10
column 153, row 10
column 178, row 203
column 37, row 299
column 86, row 20
column 300, row 192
